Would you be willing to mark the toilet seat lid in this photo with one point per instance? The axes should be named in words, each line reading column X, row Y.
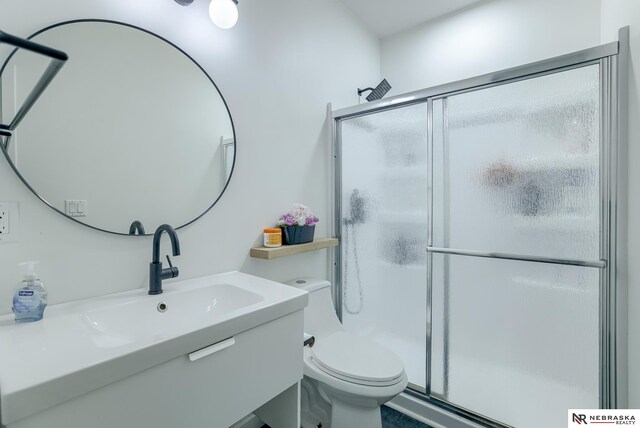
column 357, row 359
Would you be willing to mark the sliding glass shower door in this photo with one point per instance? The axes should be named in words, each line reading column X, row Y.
column 384, row 232
column 517, row 172
column 476, row 232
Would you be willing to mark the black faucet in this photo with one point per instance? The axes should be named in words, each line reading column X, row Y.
column 136, row 228
column 156, row 273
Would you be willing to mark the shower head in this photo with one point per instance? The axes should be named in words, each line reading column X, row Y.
column 378, row 92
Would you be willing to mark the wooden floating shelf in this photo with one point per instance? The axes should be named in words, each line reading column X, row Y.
column 290, row 250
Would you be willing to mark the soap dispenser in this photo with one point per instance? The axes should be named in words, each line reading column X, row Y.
column 30, row 298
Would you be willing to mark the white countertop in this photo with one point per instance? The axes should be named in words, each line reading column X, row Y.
column 84, row 345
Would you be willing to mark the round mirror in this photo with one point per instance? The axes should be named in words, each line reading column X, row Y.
column 131, row 130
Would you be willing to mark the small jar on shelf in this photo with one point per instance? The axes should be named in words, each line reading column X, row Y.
column 272, row 238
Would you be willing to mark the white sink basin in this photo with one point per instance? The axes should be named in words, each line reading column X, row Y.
column 81, row 346
column 177, row 311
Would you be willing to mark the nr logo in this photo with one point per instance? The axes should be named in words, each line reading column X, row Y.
column 580, row 419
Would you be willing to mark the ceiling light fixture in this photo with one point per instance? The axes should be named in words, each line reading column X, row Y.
column 223, row 13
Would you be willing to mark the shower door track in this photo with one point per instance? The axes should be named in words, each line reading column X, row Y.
column 613, row 61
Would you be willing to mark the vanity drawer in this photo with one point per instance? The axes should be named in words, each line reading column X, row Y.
column 214, row 390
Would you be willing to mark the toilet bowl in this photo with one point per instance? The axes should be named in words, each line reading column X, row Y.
column 346, row 377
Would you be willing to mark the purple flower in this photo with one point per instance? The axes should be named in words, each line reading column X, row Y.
column 311, row 221
column 298, row 215
column 288, row 220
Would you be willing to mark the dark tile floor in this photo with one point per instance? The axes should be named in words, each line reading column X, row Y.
column 394, row 419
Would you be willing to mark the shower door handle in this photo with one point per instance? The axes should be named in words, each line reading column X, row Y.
column 599, row 264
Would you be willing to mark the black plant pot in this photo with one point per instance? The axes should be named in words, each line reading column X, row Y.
column 292, row 235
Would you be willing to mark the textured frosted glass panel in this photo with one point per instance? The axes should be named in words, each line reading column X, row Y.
column 516, row 167
column 384, row 233
column 520, row 339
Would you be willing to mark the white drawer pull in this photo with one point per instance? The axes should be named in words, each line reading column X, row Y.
column 201, row 353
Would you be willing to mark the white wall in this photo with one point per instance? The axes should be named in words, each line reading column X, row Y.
column 616, row 14
column 491, row 36
column 277, row 69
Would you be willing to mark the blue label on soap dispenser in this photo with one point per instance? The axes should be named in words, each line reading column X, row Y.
column 25, row 301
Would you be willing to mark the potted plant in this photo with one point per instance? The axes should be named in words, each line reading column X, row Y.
column 298, row 225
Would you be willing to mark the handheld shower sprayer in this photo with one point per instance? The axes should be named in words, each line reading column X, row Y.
column 357, row 205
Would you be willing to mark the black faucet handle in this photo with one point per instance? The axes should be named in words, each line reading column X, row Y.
column 172, row 272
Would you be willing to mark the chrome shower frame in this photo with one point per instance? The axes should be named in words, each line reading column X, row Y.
column 613, row 61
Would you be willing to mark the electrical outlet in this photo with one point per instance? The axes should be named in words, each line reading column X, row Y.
column 9, row 221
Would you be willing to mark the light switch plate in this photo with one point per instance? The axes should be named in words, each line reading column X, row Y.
column 75, row 207
column 9, row 221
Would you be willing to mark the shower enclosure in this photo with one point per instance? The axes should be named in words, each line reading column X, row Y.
column 478, row 224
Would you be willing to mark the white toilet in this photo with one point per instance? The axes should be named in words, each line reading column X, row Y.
column 346, row 378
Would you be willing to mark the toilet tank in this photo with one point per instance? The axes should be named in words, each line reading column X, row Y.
column 320, row 315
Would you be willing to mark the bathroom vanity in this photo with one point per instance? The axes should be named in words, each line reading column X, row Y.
column 206, row 352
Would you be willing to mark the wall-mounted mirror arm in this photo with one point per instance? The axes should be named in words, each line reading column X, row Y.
column 58, row 59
